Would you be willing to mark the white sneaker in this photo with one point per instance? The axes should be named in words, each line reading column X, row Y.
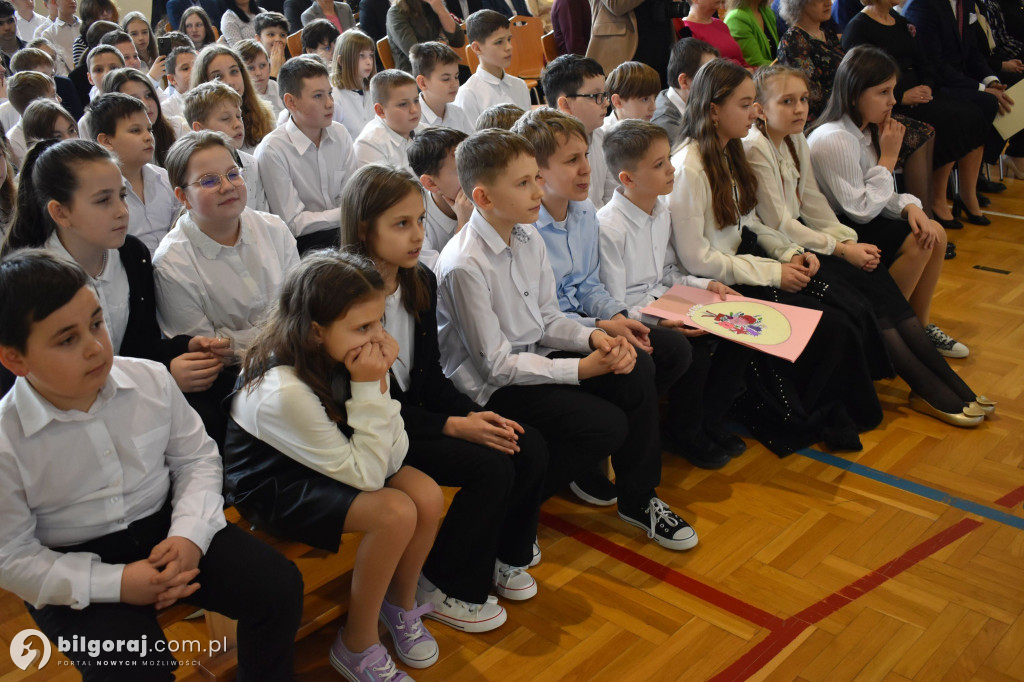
column 513, row 582
column 536, row 551
column 462, row 615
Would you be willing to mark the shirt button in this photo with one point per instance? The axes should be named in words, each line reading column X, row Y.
column 113, row 500
column 526, row 293
column 108, row 452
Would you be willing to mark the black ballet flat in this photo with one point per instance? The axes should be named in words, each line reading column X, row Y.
column 959, row 209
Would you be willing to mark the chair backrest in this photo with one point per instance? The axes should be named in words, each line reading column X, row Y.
column 527, row 51
column 461, row 51
column 384, row 52
column 216, row 33
column 295, row 44
column 549, row 46
column 472, row 61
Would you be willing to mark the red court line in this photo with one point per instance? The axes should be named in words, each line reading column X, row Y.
column 1012, row 498
column 779, row 639
column 715, row 597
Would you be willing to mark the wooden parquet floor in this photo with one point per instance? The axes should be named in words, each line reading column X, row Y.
column 902, row 562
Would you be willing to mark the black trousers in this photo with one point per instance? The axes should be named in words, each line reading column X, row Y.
column 240, row 577
column 613, row 413
column 324, row 239
column 494, row 514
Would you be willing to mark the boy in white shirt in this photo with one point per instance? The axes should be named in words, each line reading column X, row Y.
column 491, row 39
column 432, row 158
column 216, row 106
column 505, row 343
column 62, row 33
column 120, row 123
column 386, row 138
column 100, row 60
column 272, row 33
column 638, row 266
column 110, row 491
column 575, row 85
column 179, row 77
column 305, row 163
column 435, row 66
column 27, row 18
column 257, row 63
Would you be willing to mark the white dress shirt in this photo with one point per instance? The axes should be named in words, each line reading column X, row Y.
column 785, row 195
column 845, row 160
column 27, row 27
column 283, row 412
column 454, row 117
column 112, row 290
column 62, row 34
column 637, row 266
column 18, row 143
column 707, row 251
column 380, row 144
column 151, row 219
column 399, row 323
column 353, row 109
column 497, row 313
column 438, row 229
column 233, row 29
column 173, row 105
column 482, row 91
column 303, row 182
column 9, row 116
column 601, row 185
column 257, row 200
column 273, row 97
column 67, row 477
column 206, row 289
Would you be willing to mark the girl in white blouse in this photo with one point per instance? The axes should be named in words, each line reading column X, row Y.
column 353, row 65
column 316, row 448
column 828, row 393
column 854, row 145
column 789, row 199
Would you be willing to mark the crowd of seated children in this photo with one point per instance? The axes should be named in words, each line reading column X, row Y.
column 435, row 66
column 487, row 536
column 490, row 38
column 257, row 62
column 432, row 160
column 686, row 57
column 396, row 107
column 305, row 163
column 218, row 62
column 215, row 106
column 352, row 67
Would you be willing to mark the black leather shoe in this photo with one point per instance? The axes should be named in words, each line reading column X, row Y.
column 959, row 209
column 951, row 224
column 727, row 440
column 990, row 186
column 983, row 200
column 698, row 450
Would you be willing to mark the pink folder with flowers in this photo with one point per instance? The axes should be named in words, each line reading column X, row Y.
column 773, row 328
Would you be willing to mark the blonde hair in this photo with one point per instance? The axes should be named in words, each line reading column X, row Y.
column 257, row 114
column 547, row 129
column 632, row 80
column 201, row 100
column 345, row 61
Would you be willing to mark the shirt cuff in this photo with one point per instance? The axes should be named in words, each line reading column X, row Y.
column 367, row 390
column 566, row 370
column 988, row 80
column 105, row 582
column 197, row 530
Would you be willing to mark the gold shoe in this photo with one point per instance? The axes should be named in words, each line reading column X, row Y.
column 969, row 416
column 984, row 404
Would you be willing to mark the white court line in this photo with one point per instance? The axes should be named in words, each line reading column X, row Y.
column 1004, row 215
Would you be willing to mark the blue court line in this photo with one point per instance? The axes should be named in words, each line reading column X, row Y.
column 960, row 503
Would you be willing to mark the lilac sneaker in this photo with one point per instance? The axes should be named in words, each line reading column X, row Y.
column 372, row 665
column 414, row 646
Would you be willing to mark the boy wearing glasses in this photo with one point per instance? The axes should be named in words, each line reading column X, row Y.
column 575, row 86
column 490, row 39
column 120, row 123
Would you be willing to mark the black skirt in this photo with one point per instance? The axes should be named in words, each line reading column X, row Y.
column 888, row 234
column 960, row 126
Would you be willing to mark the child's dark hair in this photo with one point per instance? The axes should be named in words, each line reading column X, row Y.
column 316, row 33
column 483, row 156
column 48, row 173
column 296, row 70
column 30, row 59
column 547, row 129
column 6, row 9
column 163, row 133
column 863, row 67
column 255, row 9
column 685, row 57
column 431, row 147
column 713, row 84
column 172, row 58
column 95, row 32
column 384, row 82
column 481, row 24
column 502, row 116
column 372, row 190
column 33, row 284
column 109, row 108
column 564, row 75
column 425, row 57
column 116, row 37
column 102, row 49
column 627, row 143
column 40, row 117
column 265, row 20
column 250, row 49
column 322, row 288
column 632, row 80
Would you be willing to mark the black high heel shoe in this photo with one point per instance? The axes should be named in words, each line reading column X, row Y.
column 959, row 208
column 951, row 224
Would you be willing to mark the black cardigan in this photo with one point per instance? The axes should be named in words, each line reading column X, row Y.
column 432, row 397
column 142, row 334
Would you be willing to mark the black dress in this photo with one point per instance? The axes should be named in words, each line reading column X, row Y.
column 959, row 126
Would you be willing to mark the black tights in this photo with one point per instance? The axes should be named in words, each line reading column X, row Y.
column 923, row 368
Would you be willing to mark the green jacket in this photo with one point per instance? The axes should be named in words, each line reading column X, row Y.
column 752, row 40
